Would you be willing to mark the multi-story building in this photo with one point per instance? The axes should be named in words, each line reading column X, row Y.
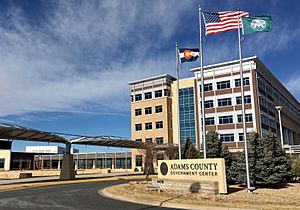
column 154, row 106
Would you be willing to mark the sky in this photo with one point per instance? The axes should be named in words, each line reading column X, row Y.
column 65, row 65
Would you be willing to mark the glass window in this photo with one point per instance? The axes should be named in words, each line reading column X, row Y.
column 245, row 82
column 159, row 124
column 187, row 115
column 167, row 92
column 209, row 121
column 138, row 97
column 148, row 95
column 241, row 136
column 148, row 110
column 158, row 109
column 131, row 98
column 209, row 104
column 2, row 162
column 208, row 87
column 138, row 140
column 248, row 118
column 158, row 93
column 149, row 140
column 138, row 112
column 148, row 126
column 225, row 119
column 262, row 101
column 227, row 137
column 138, row 160
column 138, row 127
column 247, row 100
column 223, row 85
column 159, row 140
column 224, row 102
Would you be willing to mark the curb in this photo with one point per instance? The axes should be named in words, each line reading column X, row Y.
column 58, row 182
column 105, row 193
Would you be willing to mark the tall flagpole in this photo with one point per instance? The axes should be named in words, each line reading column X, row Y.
column 202, row 87
column 178, row 121
column 243, row 107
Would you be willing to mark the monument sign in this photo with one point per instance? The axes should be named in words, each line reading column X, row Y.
column 198, row 170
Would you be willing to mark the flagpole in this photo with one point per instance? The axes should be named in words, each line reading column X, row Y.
column 243, row 107
column 202, row 87
column 178, row 121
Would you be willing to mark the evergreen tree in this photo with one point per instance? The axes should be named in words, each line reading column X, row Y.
column 215, row 150
column 268, row 163
column 189, row 151
column 213, row 145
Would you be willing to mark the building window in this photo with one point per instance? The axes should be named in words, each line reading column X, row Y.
column 148, row 95
column 264, row 120
column 2, row 162
column 208, row 87
column 209, row 121
column 245, row 82
column 241, row 136
column 148, row 110
column 148, row 140
column 148, row 126
column 138, row 160
column 187, row 115
column 248, row 118
column 138, row 97
column 224, row 102
column 227, row 137
column 209, row 104
column 159, row 140
column 138, row 127
column 158, row 93
column 247, row 100
column 158, row 109
column 167, row 92
column 138, row 112
column 131, row 98
column 138, row 140
column 223, row 85
column 225, row 119
column 159, row 125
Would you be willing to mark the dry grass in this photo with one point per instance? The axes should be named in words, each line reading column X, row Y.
column 283, row 198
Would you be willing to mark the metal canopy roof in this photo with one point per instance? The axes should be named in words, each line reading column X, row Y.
column 110, row 141
column 16, row 132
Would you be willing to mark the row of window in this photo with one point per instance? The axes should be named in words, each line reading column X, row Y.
column 150, row 95
column 226, row 84
column 230, row 137
column 228, row 119
column 148, row 126
column 227, row 102
column 148, row 110
column 158, row 140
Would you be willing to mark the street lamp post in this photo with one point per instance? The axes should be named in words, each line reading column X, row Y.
column 280, row 124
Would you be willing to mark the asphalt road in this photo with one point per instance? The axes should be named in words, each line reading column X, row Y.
column 70, row 196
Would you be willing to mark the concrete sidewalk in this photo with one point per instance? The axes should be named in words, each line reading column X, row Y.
column 11, row 184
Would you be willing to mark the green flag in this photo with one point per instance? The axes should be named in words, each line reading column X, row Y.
column 257, row 24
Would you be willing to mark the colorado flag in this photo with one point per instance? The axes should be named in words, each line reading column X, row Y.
column 188, row 55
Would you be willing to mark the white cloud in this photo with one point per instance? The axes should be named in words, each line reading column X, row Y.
column 293, row 85
column 81, row 56
column 78, row 58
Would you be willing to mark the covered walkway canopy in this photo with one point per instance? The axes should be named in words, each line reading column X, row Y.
column 15, row 132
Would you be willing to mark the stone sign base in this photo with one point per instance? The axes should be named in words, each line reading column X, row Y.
column 188, row 186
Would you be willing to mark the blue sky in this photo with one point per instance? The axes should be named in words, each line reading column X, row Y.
column 65, row 65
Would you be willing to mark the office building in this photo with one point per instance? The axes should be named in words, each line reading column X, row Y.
column 154, row 105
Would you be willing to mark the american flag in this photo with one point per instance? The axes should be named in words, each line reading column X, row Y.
column 218, row 22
